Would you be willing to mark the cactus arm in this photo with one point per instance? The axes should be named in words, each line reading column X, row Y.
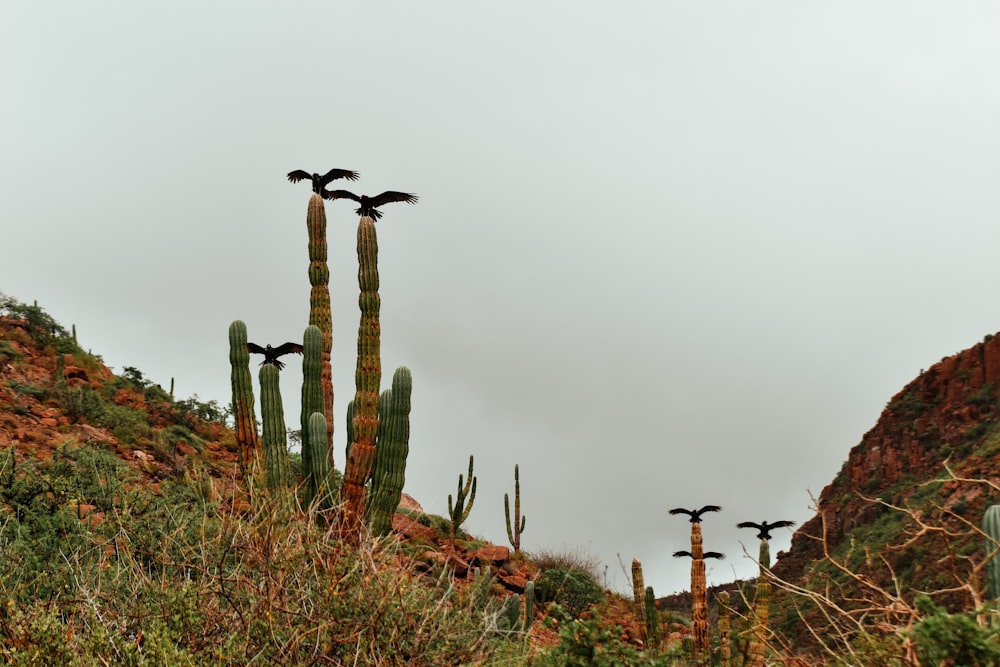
column 315, row 449
column 319, row 304
column 274, row 439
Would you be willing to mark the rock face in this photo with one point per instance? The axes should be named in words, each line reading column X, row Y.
column 941, row 415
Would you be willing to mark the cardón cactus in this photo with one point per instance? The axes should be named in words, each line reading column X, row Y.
column 315, row 450
column 514, row 531
column 243, row 401
column 393, row 447
column 367, row 376
column 991, row 526
column 639, row 595
column 459, row 511
column 274, row 440
column 319, row 304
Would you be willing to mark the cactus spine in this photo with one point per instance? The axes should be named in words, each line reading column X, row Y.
column 393, row 447
column 991, row 526
column 273, row 438
column 243, row 401
column 725, row 649
column 367, row 376
column 319, row 306
column 459, row 511
column 315, row 448
column 639, row 594
column 514, row 534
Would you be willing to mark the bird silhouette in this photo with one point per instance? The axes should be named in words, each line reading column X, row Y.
column 369, row 205
column 764, row 528
column 271, row 354
column 707, row 554
column 319, row 183
column 696, row 514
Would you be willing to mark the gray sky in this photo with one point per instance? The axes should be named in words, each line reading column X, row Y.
column 665, row 253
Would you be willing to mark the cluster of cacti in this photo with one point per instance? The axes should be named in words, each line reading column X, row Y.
column 639, row 595
column 458, row 510
column 243, row 401
column 319, row 306
column 991, row 527
column 514, row 529
column 389, row 473
column 367, row 376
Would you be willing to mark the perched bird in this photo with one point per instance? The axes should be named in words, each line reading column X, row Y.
column 696, row 514
column 369, row 205
column 707, row 554
column 271, row 354
column 320, row 182
column 764, row 528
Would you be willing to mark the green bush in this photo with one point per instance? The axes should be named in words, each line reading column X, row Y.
column 569, row 587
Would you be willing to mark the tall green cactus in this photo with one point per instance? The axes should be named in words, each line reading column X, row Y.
column 316, row 460
column 367, row 376
column 243, row 401
column 389, row 474
column 639, row 596
column 274, row 439
column 514, row 533
column 459, row 511
column 652, row 619
column 319, row 304
column 761, row 609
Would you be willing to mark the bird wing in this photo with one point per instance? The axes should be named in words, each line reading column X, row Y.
column 340, row 194
column 749, row 524
column 299, row 175
column 714, row 554
column 781, row 524
column 334, row 174
column 681, row 510
column 255, row 348
column 710, row 508
column 287, row 348
column 679, row 554
column 391, row 196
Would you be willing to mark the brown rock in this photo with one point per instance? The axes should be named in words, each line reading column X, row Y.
column 491, row 554
column 409, row 528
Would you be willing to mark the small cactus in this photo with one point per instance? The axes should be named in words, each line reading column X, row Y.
column 639, row 595
column 459, row 510
column 514, row 530
column 315, row 448
column 652, row 619
column 991, row 526
column 529, row 605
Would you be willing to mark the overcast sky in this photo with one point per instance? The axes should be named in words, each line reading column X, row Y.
column 666, row 253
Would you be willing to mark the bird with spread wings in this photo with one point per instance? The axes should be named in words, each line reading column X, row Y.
column 271, row 354
column 696, row 514
column 319, row 182
column 764, row 528
column 369, row 205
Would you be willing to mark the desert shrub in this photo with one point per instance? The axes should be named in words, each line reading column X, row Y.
column 953, row 639
column 569, row 587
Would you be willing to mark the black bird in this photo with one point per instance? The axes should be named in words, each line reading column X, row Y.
column 764, row 528
column 707, row 554
column 696, row 514
column 271, row 354
column 320, row 182
column 369, row 205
